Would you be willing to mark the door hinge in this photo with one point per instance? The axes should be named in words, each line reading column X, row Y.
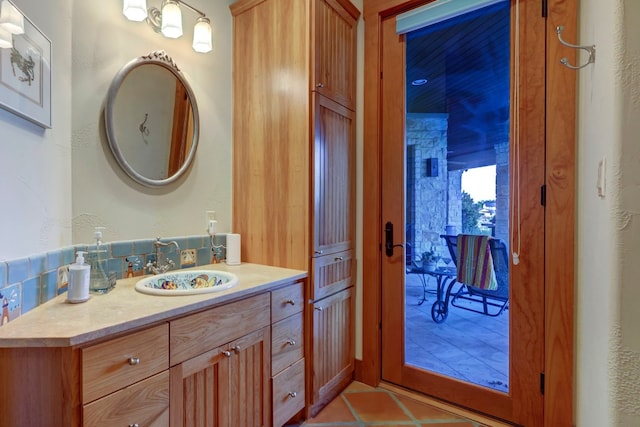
column 543, row 195
column 542, row 382
column 545, row 8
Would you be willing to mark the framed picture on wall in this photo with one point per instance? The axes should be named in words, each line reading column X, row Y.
column 25, row 67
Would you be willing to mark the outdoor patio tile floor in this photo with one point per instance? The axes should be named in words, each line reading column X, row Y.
column 469, row 346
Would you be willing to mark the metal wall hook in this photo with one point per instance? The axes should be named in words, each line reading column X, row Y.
column 564, row 61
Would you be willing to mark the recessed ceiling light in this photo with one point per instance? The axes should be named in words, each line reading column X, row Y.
column 419, row 82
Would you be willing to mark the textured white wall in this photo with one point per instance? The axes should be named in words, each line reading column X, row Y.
column 35, row 164
column 103, row 41
column 608, row 229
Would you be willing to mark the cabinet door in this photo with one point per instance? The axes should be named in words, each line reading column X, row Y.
column 333, row 177
column 250, row 371
column 227, row 386
column 332, row 347
column 334, row 49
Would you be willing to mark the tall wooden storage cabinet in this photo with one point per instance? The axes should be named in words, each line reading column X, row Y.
column 294, row 164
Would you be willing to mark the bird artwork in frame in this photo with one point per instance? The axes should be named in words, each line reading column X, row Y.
column 25, row 67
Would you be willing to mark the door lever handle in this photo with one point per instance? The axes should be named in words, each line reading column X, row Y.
column 388, row 239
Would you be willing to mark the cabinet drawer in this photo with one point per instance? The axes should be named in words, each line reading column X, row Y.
column 117, row 363
column 287, row 342
column 332, row 273
column 288, row 393
column 193, row 335
column 145, row 403
column 287, row 301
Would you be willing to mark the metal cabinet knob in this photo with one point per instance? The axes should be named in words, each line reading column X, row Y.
column 320, row 85
column 134, row 425
column 318, row 252
column 227, row 353
column 319, row 308
column 291, row 342
column 292, row 394
column 134, row 361
column 290, row 301
column 236, row 349
column 339, row 258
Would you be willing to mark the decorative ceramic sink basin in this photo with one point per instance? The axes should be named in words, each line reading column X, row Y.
column 188, row 282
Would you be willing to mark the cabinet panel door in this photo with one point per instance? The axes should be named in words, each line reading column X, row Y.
column 335, row 51
column 227, row 386
column 332, row 347
column 250, row 370
column 199, row 389
column 333, row 177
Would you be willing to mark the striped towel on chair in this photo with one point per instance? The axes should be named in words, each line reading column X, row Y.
column 475, row 264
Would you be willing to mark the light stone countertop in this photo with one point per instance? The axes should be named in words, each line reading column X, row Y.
column 58, row 323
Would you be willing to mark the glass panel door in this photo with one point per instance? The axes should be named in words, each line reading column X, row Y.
column 457, row 182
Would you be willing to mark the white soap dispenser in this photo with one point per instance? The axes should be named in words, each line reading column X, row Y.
column 78, row 280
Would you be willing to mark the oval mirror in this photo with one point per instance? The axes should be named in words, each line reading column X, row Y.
column 151, row 120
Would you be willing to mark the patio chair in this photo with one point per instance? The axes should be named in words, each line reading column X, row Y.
column 487, row 302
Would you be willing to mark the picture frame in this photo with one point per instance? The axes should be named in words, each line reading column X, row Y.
column 25, row 75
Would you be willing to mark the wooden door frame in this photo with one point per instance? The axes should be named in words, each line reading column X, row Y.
column 559, row 211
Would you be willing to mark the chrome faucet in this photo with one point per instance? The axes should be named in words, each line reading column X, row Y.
column 161, row 264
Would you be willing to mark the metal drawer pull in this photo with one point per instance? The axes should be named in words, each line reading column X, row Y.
column 291, row 342
column 236, row 349
column 134, row 425
column 134, row 361
column 292, row 394
column 320, row 85
column 318, row 252
column 227, row 353
column 290, row 301
column 338, row 258
column 319, row 308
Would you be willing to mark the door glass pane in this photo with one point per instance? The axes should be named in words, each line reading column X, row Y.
column 457, row 179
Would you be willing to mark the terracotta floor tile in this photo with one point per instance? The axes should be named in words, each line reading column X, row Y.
column 423, row 412
column 335, row 412
column 376, row 406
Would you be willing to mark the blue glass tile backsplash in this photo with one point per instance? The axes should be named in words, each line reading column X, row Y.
column 28, row 282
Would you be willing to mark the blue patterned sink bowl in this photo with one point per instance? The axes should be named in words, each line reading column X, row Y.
column 188, row 282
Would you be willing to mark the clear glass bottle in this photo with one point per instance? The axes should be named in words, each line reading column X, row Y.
column 97, row 259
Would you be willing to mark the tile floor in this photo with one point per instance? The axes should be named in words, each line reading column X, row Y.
column 361, row 405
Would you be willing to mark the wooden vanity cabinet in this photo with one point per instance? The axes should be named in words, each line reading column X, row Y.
column 209, row 368
column 294, row 159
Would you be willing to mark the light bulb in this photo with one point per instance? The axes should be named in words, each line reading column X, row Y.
column 11, row 19
column 202, row 35
column 135, row 10
column 171, row 20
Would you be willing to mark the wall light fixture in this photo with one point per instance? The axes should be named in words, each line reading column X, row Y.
column 168, row 20
column 11, row 22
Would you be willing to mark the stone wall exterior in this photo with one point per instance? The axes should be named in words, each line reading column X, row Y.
column 427, row 196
